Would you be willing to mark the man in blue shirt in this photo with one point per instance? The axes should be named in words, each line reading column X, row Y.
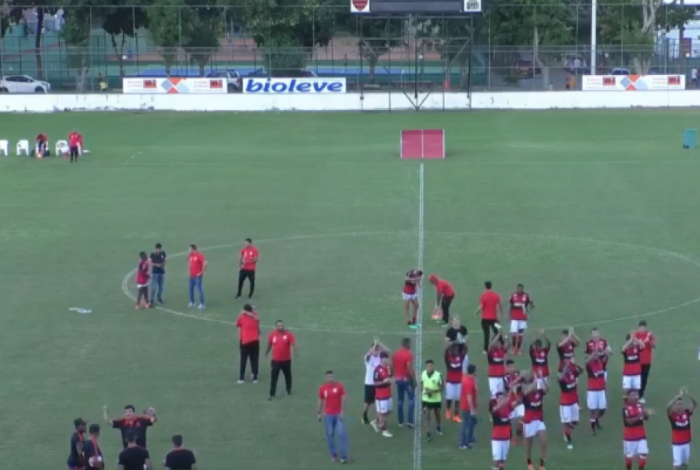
column 158, row 259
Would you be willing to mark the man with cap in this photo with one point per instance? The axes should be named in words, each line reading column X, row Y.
column 92, row 451
column 76, row 459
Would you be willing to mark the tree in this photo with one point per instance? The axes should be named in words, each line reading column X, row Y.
column 452, row 37
column 288, row 30
column 76, row 34
column 635, row 26
column 377, row 37
column 170, row 24
column 205, row 29
column 521, row 23
column 120, row 23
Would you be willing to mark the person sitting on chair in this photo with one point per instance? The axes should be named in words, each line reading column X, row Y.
column 42, row 145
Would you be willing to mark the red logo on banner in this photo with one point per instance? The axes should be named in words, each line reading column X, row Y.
column 359, row 6
column 674, row 80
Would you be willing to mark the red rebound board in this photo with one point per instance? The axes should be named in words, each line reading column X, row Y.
column 423, row 144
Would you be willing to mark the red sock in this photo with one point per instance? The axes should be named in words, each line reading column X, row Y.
column 628, row 463
column 642, row 463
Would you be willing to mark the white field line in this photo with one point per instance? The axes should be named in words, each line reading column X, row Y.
column 200, row 317
column 417, row 443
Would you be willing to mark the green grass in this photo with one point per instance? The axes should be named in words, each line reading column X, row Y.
column 596, row 212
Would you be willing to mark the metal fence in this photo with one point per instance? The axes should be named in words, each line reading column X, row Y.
column 504, row 48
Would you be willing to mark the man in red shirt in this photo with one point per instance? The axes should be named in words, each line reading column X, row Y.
column 649, row 341
column 75, row 142
column 635, row 437
column 143, row 274
column 595, row 390
column 248, row 325
column 632, row 368
column 197, row 266
column 402, row 364
column 599, row 345
column 491, row 312
column 248, row 261
column 568, row 400
column 281, row 342
column 42, row 145
column 383, row 379
column 468, row 408
column 330, row 410
column 445, row 296
column 679, row 415
column 410, row 296
column 520, row 305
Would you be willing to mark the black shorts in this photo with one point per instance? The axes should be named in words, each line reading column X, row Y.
column 369, row 394
column 431, row 405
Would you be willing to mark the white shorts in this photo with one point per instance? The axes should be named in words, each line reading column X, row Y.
column 541, row 383
column 635, row 448
column 500, row 449
column 531, row 429
column 631, row 382
column 496, row 385
column 405, row 296
column 681, row 455
column 518, row 412
column 139, row 286
column 596, row 400
column 453, row 391
column 517, row 326
column 568, row 413
column 384, row 406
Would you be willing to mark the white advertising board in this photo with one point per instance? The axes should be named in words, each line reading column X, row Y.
column 632, row 82
column 285, row 86
column 174, row 85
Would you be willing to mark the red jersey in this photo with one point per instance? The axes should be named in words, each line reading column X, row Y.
column 565, row 352
column 196, row 264
column 501, row 422
column 42, row 138
column 649, row 341
column 497, row 359
column 444, row 288
column 519, row 305
column 75, row 139
column 401, row 361
column 281, row 342
column 410, row 285
column 534, row 406
column 332, row 394
column 248, row 327
column 596, row 375
column 142, row 273
column 569, row 387
column 680, row 427
column 454, row 363
column 633, row 364
column 489, row 305
column 633, row 417
column 249, row 257
column 382, row 391
column 540, row 361
column 601, row 347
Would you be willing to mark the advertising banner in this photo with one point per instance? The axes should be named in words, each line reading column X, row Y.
column 284, row 86
column 632, row 82
column 174, row 85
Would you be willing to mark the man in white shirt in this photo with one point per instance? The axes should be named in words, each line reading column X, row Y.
column 372, row 360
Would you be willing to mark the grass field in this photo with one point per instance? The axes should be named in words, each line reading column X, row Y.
column 595, row 212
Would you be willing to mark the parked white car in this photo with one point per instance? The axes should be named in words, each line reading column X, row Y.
column 23, row 84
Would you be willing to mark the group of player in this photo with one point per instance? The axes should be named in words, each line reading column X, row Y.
column 517, row 397
column 74, row 143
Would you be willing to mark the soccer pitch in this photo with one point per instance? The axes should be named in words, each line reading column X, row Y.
column 596, row 212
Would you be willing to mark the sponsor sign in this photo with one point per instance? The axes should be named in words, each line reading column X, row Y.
column 284, row 86
column 632, row 82
column 359, row 6
column 174, row 85
column 472, row 6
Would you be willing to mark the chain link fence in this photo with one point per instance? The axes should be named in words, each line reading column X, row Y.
column 88, row 49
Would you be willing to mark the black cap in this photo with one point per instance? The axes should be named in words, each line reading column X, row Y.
column 94, row 428
column 79, row 422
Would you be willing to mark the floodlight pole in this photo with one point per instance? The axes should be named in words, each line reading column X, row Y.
column 594, row 34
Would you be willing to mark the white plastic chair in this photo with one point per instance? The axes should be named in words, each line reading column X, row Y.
column 62, row 148
column 5, row 147
column 23, row 146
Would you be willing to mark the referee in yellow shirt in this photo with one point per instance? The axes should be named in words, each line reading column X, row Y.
column 431, row 397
